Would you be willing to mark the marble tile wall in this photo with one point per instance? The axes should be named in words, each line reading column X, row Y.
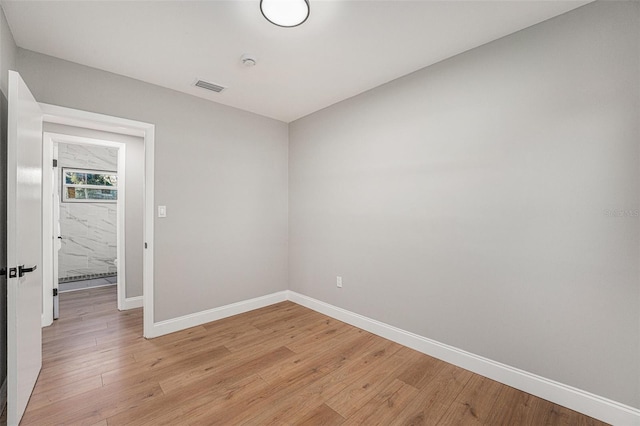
column 88, row 229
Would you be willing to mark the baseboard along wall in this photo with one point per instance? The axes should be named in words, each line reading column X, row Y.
column 132, row 303
column 576, row 399
column 176, row 324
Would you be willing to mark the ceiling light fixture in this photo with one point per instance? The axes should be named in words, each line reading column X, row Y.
column 285, row 13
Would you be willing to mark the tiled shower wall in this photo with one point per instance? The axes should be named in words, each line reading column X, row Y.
column 88, row 229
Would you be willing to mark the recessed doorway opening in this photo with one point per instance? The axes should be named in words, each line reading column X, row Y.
column 128, row 147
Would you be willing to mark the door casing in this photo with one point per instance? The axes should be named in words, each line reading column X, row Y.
column 49, row 231
column 89, row 120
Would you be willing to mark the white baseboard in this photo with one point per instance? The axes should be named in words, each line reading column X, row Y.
column 584, row 402
column 192, row 320
column 132, row 303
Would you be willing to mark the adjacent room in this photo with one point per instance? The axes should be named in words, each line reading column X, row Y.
column 87, row 219
column 337, row 212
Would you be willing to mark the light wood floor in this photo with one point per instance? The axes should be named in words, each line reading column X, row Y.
column 282, row 365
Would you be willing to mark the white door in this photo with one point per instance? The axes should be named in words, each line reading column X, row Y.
column 24, row 247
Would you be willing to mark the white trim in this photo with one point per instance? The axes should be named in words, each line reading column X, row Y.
column 132, row 303
column 47, row 230
column 90, row 120
column 199, row 318
column 121, row 224
column 147, row 279
column 584, row 402
column 576, row 399
column 48, row 140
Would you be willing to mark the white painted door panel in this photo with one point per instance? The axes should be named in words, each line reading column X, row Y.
column 24, row 246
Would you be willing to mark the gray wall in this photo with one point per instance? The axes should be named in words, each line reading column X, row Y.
column 7, row 62
column 489, row 202
column 8, row 51
column 134, row 171
column 221, row 172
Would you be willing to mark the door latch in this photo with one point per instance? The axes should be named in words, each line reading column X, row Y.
column 13, row 272
column 22, row 270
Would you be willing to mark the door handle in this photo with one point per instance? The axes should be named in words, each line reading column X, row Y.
column 22, row 270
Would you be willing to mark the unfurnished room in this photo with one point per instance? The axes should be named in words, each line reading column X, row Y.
column 320, row 212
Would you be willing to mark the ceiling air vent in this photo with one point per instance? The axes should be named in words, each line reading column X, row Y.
column 209, row 86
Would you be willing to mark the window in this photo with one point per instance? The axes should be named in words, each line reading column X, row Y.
column 89, row 186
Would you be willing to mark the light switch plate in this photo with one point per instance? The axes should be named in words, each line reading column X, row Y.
column 162, row 211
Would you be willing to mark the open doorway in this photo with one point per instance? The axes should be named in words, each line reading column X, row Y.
column 94, row 199
column 89, row 202
column 93, row 125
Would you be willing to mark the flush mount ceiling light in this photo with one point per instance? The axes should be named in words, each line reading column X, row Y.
column 285, row 13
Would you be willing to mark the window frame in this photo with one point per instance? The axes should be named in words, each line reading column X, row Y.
column 66, row 185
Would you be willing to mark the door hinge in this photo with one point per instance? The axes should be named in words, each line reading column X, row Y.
column 55, row 163
column 145, row 245
column 13, row 272
column 55, row 292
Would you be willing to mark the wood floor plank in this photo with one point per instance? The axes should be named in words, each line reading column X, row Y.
column 322, row 416
column 511, row 407
column 92, row 406
column 326, row 360
column 152, row 352
column 418, row 374
column 436, row 397
column 473, row 405
column 173, row 408
column 206, row 410
column 384, row 407
column 87, row 367
column 282, row 364
column 370, row 383
column 298, row 382
column 290, row 399
column 219, row 372
column 60, row 392
column 283, row 335
column 162, row 367
column 104, row 351
column 328, row 330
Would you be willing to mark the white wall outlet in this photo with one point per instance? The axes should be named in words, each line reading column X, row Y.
column 339, row 282
column 162, row 211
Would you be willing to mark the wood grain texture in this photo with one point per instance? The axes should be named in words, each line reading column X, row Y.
column 280, row 365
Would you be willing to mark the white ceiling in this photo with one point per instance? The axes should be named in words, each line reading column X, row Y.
column 345, row 47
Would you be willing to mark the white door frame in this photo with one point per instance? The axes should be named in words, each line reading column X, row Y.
column 90, row 120
column 49, row 232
